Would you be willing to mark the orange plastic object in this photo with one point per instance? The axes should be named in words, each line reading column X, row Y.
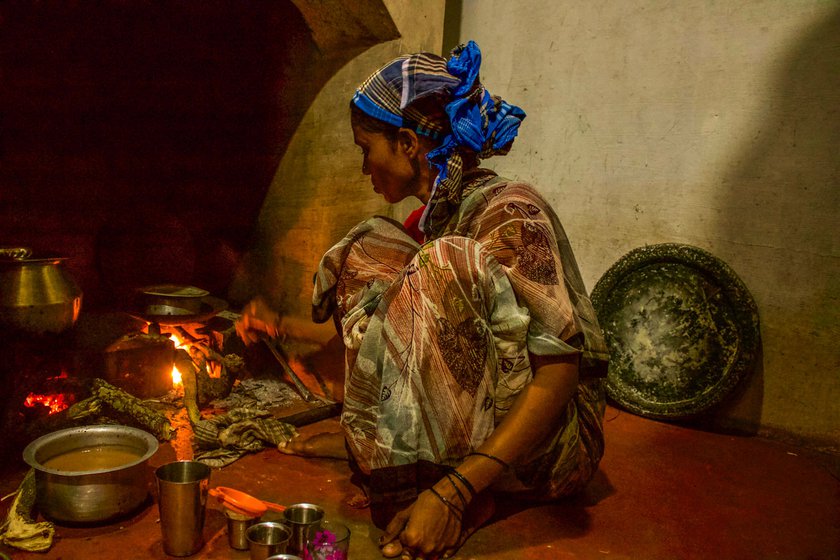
column 233, row 509
column 243, row 503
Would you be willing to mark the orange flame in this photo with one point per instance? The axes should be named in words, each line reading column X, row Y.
column 177, row 380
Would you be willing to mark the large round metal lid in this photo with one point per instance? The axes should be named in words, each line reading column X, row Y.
column 175, row 291
column 681, row 327
column 210, row 307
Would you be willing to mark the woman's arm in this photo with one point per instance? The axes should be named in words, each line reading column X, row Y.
column 533, row 417
column 257, row 321
column 429, row 526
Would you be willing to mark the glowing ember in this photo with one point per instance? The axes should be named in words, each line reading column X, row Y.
column 56, row 402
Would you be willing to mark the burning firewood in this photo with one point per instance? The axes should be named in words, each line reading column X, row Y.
column 121, row 404
column 200, row 386
column 189, row 377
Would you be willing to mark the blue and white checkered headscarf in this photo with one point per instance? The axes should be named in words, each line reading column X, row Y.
column 474, row 121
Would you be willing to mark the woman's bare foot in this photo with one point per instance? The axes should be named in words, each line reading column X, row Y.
column 327, row 444
column 358, row 500
column 392, row 549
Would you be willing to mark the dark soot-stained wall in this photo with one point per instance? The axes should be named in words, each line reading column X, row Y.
column 140, row 139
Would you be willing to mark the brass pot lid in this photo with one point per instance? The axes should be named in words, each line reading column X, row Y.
column 681, row 327
column 12, row 256
column 17, row 253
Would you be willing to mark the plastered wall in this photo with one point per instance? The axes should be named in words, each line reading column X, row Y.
column 715, row 124
column 318, row 192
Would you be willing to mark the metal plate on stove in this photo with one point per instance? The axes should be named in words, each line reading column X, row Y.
column 681, row 327
column 175, row 291
column 210, row 307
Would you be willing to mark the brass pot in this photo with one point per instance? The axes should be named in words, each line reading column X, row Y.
column 93, row 496
column 36, row 294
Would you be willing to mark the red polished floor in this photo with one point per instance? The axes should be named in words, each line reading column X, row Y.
column 663, row 492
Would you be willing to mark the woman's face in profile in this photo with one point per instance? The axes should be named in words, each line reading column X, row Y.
column 391, row 171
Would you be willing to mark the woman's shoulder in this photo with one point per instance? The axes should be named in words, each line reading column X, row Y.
column 501, row 190
column 496, row 201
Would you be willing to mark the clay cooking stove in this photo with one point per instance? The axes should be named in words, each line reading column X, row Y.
column 178, row 370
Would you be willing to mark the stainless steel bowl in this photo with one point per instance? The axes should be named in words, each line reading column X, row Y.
column 94, row 496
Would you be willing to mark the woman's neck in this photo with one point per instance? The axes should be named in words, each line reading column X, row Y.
column 428, row 175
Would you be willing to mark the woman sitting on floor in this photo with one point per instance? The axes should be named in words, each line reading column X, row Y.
column 474, row 360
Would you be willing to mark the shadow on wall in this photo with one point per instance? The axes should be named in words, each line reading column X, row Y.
column 140, row 139
column 782, row 206
column 341, row 31
column 452, row 26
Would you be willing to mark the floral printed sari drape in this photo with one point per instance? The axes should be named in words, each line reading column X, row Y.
column 438, row 339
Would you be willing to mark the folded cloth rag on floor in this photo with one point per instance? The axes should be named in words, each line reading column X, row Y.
column 223, row 439
column 20, row 529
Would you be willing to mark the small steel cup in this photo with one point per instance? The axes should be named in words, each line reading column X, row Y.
column 303, row 520
column 237, row 525
column 267, row 539
column 284, row 557
column 182, row 500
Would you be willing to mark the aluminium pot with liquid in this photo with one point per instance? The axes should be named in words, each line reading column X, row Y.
column 91, row 474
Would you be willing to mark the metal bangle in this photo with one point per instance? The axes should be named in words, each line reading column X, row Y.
column 464, row 481
column 493, row 458
column 452, row 507
column 458, row 490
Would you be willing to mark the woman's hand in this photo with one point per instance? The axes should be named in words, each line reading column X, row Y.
column 427, row 530
column 324, row 444
column 258, row 321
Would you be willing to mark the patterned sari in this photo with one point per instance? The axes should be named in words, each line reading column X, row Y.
column 438, row 339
